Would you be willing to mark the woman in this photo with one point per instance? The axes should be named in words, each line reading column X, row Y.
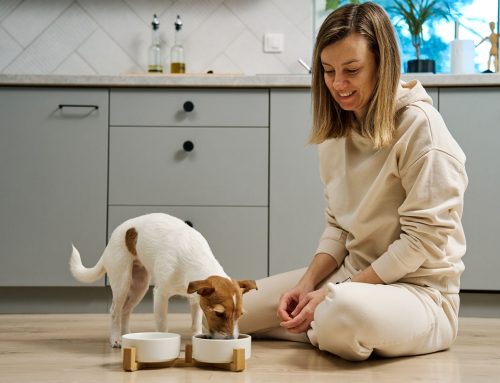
column 385, row 277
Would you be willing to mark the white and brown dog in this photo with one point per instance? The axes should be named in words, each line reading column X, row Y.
column 180, row 261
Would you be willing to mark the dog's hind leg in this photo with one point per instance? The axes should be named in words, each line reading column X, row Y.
column 120, row 286
column 138, row 288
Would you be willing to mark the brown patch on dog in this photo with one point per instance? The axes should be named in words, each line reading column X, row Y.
column 131, row 240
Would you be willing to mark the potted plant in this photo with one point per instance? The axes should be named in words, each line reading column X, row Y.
column 415, row 13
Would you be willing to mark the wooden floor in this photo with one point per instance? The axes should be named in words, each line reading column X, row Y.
column 74, row 348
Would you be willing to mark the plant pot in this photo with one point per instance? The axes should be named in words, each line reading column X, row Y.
column 419, row 66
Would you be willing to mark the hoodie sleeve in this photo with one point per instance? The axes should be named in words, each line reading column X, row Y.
column 435, row 184
column 333, row 239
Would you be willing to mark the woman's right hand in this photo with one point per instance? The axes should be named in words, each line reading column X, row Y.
column 303, row 295
column 303, row 314
column 289, row 301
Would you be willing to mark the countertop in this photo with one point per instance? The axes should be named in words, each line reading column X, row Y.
column 224, row 80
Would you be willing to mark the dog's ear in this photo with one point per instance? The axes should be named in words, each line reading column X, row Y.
column 247, row 285
column 202, row 287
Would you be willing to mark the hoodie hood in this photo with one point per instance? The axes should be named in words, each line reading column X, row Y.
column 410, row 92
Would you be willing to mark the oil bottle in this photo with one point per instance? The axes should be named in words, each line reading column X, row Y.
column 154, row 53
column 177, row 64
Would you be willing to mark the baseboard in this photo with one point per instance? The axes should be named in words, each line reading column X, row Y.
column 68, row 300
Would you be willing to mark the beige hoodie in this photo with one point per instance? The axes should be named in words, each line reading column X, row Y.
column 398, row 208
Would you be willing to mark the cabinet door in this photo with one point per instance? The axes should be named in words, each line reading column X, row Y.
column 472, row 116
column 53, row 169
column 225, row 166
column 296, row 216
column 237, row 235
column 434, row 93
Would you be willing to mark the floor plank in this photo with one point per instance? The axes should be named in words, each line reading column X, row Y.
column 74, row 348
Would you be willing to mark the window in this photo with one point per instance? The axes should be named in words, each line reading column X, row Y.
column 474, row 19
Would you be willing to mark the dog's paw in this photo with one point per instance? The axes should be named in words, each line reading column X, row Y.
column 116, row 343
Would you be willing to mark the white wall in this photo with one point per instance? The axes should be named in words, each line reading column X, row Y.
column 112, row 36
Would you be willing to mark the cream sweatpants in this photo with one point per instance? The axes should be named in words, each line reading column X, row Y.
column 358, row 319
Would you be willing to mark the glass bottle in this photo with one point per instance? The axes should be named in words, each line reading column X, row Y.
column 154, row 53
column 177, row 64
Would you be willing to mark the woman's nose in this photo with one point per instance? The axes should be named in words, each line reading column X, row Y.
column 339, row 83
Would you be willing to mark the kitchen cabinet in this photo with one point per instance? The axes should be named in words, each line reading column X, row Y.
column 296, row 207
column 434, row 93
column 200, row 155
column 53, row 168
column 472, row 116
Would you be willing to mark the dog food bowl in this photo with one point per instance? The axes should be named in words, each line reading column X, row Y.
column 210, row 350
column 153, row 347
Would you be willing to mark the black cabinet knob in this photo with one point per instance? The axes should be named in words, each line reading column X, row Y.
column 188, row 106
column 188, row 146
column 189, row 223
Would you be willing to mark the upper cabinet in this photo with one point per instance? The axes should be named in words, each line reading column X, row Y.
column 53, row 166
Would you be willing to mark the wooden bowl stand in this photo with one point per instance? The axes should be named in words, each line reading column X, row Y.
column 131, row 364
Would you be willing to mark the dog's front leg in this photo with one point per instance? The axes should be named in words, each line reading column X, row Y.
column 160, row 303
column 196, row 317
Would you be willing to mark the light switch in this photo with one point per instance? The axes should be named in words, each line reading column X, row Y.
column 274, row 42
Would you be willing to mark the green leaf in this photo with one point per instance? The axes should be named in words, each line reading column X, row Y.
column 332, row 4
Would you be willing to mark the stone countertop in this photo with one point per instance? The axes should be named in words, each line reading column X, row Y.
column 224, row 80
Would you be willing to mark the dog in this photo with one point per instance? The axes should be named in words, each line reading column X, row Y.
column 180, row 261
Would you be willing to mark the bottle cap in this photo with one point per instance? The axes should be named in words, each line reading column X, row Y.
column 178, row 23
column 155, row 23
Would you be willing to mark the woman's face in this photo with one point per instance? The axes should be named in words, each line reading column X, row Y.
column 350, row 73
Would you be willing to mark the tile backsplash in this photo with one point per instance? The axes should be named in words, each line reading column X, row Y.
column 111, row 37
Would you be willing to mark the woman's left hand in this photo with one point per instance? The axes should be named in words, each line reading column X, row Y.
column 303, row 314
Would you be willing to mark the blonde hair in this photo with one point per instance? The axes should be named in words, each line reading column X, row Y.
column 371, row 22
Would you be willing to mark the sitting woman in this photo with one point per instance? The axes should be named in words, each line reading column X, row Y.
column 385, row 277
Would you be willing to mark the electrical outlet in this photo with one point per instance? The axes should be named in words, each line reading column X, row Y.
column 274, row 42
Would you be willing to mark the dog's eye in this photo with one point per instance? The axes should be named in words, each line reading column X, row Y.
column 219, row 315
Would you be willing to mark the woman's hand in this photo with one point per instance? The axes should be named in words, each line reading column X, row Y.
column 289, row 301
column 296, row 308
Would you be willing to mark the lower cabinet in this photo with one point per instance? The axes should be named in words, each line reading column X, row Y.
column 472, row 116
column 247, row 181
column 53, row 188
column 296, row 202
column 207, row 164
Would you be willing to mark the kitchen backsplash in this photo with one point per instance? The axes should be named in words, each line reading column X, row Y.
column 111, row 37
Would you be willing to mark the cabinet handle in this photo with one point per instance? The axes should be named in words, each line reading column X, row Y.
column 188, row 146
column 189, row 223
column 61, row 106
column 188, row 106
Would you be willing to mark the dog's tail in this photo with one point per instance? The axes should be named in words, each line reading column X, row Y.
column 83, row 274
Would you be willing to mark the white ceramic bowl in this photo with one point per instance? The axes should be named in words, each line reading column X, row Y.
column 219, row 350
column 153, row 346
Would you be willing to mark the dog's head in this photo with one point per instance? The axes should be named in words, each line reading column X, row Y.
column 221, row 302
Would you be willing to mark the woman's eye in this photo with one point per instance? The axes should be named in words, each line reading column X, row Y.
column 352, row 71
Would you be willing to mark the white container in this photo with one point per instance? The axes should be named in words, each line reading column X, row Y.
column 462, row 56
column 153, row 347
column 219, row 350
